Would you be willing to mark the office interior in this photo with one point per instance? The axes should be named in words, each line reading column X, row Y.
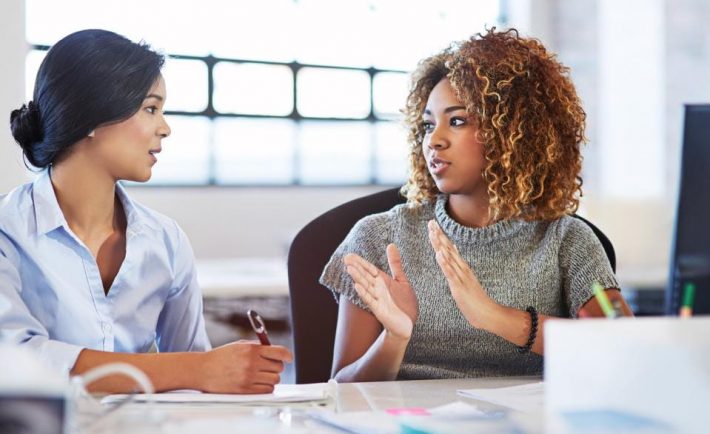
column 634, row 63
column 241, row 200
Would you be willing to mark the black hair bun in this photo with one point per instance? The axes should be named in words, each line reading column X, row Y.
column 26, row 127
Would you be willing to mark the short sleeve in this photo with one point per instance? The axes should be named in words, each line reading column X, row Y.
column 583, row 263
column 368, row 239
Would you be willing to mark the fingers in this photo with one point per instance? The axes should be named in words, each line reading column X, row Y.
column 438, row 239
column 357, row 261
column 395, row 262
column 276, row 354
column 243, row 367
column 360, row 276
column 433, row 236
column 444, row 248
column 446, row 267
column 455, row 268
column 266, row 379
column 441, row 243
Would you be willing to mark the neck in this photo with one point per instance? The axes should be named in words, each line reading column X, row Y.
column 469, row 211
column 86, row 194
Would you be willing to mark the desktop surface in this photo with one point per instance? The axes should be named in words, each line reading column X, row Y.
column 137, row 418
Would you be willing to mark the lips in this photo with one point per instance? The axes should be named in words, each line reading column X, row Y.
column 437, row 166
column 153, row 153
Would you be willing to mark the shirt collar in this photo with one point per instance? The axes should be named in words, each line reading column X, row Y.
column 134, row 222
column 49, row 216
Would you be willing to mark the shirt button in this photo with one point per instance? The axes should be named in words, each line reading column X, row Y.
column 107, row 327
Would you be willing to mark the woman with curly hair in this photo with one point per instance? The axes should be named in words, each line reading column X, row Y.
column 486, row 249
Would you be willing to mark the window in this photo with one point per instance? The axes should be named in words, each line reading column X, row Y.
column 278, row 92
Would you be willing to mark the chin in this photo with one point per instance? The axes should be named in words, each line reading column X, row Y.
column 447, row 187
column 139, row 177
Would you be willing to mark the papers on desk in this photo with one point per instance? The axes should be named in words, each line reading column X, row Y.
column 527, row 398
column 283, row 394
column 453, row 417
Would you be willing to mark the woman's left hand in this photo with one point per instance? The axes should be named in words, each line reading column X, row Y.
column 466, row 290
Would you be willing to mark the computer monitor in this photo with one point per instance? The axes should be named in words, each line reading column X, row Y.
column 690, row 254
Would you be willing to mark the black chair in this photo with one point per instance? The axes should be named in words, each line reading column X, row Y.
column 314, row 312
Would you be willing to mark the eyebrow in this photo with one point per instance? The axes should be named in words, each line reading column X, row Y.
column 447, row 109
column 153, row 95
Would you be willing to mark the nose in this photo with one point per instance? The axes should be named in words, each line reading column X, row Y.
column 164, row 130
column 438, row 139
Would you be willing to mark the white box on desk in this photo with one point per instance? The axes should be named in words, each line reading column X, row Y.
column 652, row 367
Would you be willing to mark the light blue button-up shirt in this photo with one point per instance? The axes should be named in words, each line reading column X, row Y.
column 52, row 298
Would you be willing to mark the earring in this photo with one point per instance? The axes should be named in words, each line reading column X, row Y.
column 91, row 134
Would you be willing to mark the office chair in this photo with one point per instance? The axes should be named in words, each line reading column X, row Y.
column 314, row 311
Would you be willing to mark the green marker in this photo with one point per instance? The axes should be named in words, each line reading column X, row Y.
column 686, row 309
column 603, row 301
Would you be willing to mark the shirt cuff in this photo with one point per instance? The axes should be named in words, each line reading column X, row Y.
column 59, row 355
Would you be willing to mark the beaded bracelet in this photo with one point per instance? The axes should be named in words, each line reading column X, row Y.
column 533, row 330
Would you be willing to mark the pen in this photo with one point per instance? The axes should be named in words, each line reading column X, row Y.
column 603, row 301
column 258, row 325
column 686, row 310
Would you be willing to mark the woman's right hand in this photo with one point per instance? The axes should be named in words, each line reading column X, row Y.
column 242, row 367
column 390, row 298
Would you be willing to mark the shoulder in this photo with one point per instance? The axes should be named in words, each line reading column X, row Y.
column 394, row 219
column 578, row 241
column 16, row 208
column 571, row 229
column 19, row 197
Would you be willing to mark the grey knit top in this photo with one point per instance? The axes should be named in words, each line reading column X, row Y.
column 550, row 265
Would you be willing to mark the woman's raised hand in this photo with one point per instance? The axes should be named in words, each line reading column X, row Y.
column 470, row 297
column 390, row 298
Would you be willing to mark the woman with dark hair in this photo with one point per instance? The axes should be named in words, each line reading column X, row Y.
column 486, row 250
column 88, row 276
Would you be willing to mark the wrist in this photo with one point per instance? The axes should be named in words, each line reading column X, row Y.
column 195, row 369
column 486, row 315
column 397, row 339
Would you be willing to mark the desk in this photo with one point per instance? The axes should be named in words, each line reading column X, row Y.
column 242, row 277
column 217, row 419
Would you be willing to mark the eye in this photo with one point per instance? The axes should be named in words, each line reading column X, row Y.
column 427, row 126
column 457, row 122
column 152, row 109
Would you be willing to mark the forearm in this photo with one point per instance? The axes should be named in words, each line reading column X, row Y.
column 167, row 371
column 381, row 362
column 512, row 325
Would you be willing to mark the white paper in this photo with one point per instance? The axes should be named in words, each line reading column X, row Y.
column 450, row 416
column 527, row 398
column 283, row 393
column 359, row 422
column 456, row 409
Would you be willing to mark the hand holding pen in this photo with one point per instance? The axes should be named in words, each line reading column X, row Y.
column 244, row 366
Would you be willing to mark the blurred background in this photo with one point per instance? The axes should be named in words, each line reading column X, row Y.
column 282, row 109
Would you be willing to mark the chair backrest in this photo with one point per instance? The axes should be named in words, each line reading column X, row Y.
column 314, row 312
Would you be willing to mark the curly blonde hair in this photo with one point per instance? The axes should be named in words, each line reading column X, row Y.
column 529, row 119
